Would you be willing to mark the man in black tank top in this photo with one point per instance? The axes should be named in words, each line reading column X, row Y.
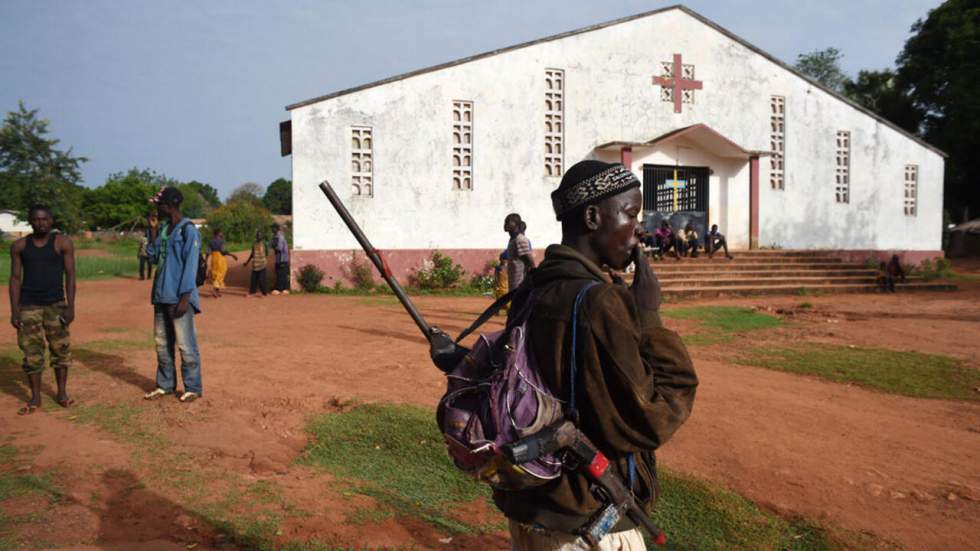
column 42, row 303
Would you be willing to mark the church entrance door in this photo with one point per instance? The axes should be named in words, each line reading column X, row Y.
column 676, row 193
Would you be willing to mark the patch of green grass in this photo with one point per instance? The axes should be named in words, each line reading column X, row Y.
column 721, row 322
column 698, row 515
column 7, row 454
column 395, row 455
column 121, row 261
column 705, row 339
column 15, row 485
column 121, row 420
column 959, row 276
column 806, row 305
column 727, row 319
column 906, row 373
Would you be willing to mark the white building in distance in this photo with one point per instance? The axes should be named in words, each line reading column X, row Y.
column 715, row 128
column 11, row 225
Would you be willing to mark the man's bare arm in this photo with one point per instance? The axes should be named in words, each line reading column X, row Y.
column 16, row 272
column 68, row 253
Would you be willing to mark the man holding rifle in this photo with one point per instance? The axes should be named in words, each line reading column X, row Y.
column 634, row 383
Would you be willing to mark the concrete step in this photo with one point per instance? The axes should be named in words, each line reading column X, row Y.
column 803, row 272
column 780, row 252
column 751, row 281
column 724, row 266
column 751, row 290
column 719, row 259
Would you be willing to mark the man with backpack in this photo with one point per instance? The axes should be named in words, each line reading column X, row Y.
column 632, row 383
column 176, row 250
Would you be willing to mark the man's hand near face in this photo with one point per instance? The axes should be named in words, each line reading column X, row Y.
column 646, row 287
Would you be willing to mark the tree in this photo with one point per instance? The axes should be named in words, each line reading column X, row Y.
column 206, row 191
column 940, row 68
column 824, row 67
column 33, row 170
column 279, row 196
column 194, row 205
column 879, row 91
column 249, row 192
column 122, row 199
column 239, row 220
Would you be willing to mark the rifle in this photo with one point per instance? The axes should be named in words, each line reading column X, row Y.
column 581, row 453
column 445, row 353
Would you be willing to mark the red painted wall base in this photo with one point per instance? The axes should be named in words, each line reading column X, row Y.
column 402, row 262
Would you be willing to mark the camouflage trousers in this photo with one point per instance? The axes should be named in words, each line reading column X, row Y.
column 40, row 331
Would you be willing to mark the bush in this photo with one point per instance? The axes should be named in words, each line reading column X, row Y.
column 440, row 272
column 361, row 274
column 482, row 283
column 940, row 269
column 239, row 220
column 309, row 278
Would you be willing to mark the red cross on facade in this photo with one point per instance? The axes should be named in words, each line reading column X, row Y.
column 677, row 83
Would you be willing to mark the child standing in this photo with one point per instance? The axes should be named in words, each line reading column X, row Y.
column 258, row 259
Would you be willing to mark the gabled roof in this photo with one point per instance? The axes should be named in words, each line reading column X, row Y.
column 620, row 21
column 708, row 138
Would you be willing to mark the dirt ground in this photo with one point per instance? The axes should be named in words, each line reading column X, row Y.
column 905, row 469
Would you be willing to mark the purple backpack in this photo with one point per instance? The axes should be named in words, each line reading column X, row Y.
column 495, row 396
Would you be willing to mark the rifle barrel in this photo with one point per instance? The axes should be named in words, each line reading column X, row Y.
column 376, row 259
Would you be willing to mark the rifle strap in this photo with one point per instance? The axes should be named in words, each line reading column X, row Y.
column 486, row 315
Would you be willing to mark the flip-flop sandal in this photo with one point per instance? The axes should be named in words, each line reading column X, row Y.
column 188, row 397
column 66, row 403
column 27, row 409
column 155, row 393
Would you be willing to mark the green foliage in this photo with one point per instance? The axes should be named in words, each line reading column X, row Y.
column 279, row 197
column 906, row 373
column 934, row 269
column 879, row 91
column 240, row 219
column 360, row 272
column 309, row 278
column 34, row 171
column 481, row 283
column 122, row 199
column 396, row 455
column 206, row 191
column 824, row 67
column 939, row 70
column 440, row 272
column 249, row 192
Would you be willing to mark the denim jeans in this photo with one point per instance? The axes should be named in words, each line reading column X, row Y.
column 171, row 333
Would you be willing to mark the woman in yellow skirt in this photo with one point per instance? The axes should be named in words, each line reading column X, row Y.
column 218, row 264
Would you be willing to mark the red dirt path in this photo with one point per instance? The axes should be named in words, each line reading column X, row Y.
column 904, row 469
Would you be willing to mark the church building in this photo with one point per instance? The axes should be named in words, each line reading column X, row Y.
column 712, row 126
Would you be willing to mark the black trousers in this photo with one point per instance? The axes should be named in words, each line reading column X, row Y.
column 145, row 263
column 258, row 280
column 282, row 276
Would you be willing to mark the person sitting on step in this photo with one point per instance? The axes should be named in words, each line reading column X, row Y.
column 715, row 240
column 667, row 240
column 688, row 240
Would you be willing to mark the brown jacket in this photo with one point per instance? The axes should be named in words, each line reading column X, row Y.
column 635, row 383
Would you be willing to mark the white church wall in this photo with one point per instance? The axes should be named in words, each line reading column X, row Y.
column 608, row 96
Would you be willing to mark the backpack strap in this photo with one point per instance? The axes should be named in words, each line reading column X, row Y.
column 573, row 363
column 573, row 367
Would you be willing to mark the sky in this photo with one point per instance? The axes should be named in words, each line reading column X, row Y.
column 195, row 90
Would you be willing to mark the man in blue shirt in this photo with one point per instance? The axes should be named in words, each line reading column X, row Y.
column 175, row 248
